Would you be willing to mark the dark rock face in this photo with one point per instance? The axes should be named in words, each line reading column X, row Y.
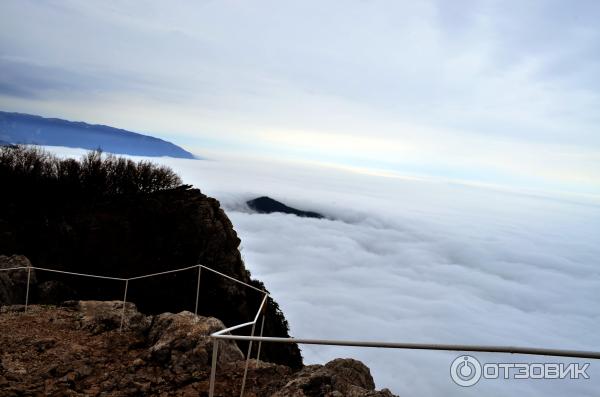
column 76, row 350
column 266, row 205
column 54, row 292
column 131, row 235
column 13, row 283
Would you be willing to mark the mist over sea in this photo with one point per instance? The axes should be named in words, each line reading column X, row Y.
column 416, row 260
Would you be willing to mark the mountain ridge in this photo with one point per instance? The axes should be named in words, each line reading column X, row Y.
column 23, row 128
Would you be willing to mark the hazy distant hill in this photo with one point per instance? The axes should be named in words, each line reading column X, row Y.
column 30, row 129
column 266, row 205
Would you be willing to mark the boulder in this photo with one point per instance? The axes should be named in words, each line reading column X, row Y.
column 13, row 283
column 102, row 316
column 338, row 378
column 181, row 341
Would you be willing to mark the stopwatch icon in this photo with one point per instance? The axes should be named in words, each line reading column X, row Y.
column 465, row 370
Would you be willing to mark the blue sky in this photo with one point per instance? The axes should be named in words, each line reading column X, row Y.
column 499, row 92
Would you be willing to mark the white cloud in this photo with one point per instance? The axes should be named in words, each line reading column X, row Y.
column 418, row 261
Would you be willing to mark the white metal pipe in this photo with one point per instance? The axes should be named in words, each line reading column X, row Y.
column 124, row 301
column 79, row 274
column 27, row 291
column 421, row 346
column 216, row 334
column 261, row 307
column 165, row 272
column 226, row 330
column 262, row 326
column 247, row 360
column 15, row 268
column 198, row 290
column 233, row 279
column 213, row 369
column 253, row 323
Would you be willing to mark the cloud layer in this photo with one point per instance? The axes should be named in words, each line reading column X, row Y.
column 418, row 261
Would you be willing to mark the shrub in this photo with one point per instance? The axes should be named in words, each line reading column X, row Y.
column 95, row 174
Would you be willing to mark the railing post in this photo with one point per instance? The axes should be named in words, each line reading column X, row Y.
column 262, row 325
column 124, row 301
column 213, row 369
column 247, row 362
column 198, row 289
column 27, row 290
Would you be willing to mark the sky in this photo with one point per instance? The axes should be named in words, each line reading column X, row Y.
column 502, row 93
column 414, row 260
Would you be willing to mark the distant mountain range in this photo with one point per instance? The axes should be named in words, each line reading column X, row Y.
column 18, row 128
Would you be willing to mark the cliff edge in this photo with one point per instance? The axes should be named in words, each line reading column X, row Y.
column 111, row 216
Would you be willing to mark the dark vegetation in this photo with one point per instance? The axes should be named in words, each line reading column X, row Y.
column 266, row 205
column 111, row 216
column 95, row 177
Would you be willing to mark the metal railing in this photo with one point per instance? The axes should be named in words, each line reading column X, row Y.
column 390, row 345
column 127, row 280
column 224, row 334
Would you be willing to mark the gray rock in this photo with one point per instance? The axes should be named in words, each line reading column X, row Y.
column 12, row 309
column 337, row 378
column 13, row 283
column 101, row 316
column 181, row 341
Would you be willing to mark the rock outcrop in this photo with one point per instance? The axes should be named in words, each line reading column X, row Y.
column 181, row 341
column 13, row 283
column 77, row 350
column 337, row 378
column 132, row 235
column 102, row 316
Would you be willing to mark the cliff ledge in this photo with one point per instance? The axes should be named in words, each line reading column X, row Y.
column 77, row 350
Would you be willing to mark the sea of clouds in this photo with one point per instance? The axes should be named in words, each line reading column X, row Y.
column 413, row 260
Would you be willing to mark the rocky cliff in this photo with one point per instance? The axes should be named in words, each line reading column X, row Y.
column 110, row 216
column 131, row 236
column 77, row 350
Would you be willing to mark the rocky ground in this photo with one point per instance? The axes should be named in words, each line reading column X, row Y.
column 77, row 350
